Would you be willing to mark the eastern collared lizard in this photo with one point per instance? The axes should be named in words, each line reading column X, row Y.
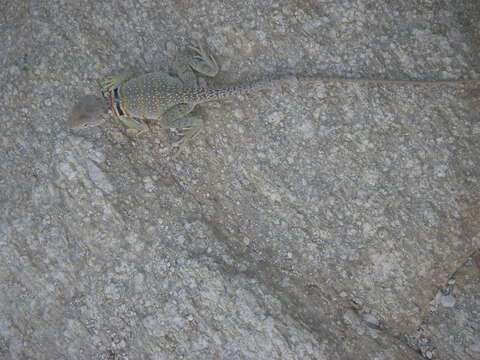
column 161, row 96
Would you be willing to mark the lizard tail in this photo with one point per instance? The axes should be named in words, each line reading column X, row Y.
column 325, row 79
column 210, row 94
column 235, row 90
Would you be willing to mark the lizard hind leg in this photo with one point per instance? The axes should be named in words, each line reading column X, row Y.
column 187, row 63
column 203, row 62
column 175, row 117
column 171, row 117
column 193, row 127
column 190, row 128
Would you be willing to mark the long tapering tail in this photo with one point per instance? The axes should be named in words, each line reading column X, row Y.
column 325, row 79
column 210, row 94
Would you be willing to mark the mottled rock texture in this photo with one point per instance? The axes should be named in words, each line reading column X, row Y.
column 327, row 221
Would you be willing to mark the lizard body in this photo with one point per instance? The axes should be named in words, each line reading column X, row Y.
column 161, row 96
column 149, row 96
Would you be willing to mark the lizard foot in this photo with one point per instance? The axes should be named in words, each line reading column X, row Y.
column 135, row 127
column 190, row 134
column 203, row 62
column 114, row 80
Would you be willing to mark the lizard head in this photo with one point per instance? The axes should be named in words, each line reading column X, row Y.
column 89, row 111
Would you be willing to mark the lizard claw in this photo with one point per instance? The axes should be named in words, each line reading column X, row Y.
column 109, row 82
column 135, row 127
column 112, row 81
column 191, row 134
column 204, row 63
column 198, row 49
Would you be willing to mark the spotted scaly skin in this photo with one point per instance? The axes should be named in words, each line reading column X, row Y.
column 169, row 99
column 150, row 97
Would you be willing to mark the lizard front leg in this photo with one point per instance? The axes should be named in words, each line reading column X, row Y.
column 135, row 127
column 116, row 80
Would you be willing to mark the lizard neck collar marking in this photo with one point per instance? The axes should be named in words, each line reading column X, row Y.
column 115, row 103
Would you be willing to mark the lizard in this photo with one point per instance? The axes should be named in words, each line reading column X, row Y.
column 161, row 96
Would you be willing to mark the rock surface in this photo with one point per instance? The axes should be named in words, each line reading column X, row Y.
column 311, row 222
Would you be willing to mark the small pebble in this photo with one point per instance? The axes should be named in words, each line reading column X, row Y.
column 372, row 321
column 447, row 301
